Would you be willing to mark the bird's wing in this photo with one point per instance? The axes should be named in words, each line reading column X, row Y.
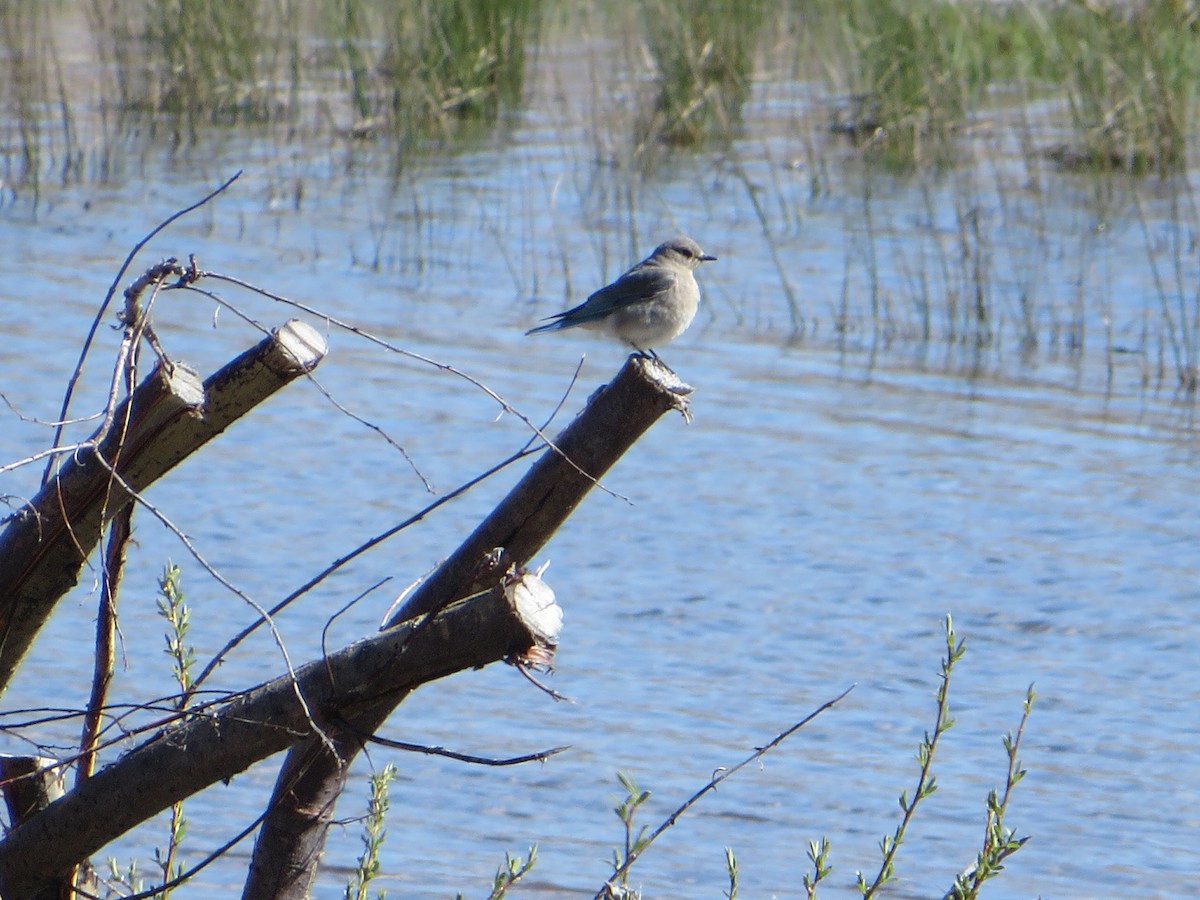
column 635, row 286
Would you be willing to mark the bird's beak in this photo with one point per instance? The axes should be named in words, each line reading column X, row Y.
column 706, row 258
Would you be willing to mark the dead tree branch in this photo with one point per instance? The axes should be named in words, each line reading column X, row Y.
column 373, row 674
column 293, row 835
column 170, row 415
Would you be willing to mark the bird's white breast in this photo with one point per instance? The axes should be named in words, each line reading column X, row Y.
column 654, row 322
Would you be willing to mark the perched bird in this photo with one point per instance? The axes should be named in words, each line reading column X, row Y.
column 650, row 304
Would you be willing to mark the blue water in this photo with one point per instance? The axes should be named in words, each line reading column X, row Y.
column 833, row 500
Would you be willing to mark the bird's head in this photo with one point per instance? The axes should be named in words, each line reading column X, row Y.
column 682, row 250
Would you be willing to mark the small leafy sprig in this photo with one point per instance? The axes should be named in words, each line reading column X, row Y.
column 999, row 842
column 818, row 855
column 731, row 867
column 373, row 836
column 513, row 870
column 173, row 607
column 626, row 810
column 926, row 782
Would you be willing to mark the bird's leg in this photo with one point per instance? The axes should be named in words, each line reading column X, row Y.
column 658, row 360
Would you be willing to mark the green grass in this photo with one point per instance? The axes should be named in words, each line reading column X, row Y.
column 704, row 54
column 919, row 72
column 431, row 70
column 906, row 80
column 209, row 59
column 1130, row 73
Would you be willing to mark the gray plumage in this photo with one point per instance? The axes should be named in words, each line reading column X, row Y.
column 651, row 304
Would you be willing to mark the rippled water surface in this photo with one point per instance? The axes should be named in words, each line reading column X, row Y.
column 834, row 498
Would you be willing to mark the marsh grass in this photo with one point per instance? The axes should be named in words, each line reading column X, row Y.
column 908, row 81
column 704, row 54
column 922, row 73
column 462, row 60
column 918, row 72
column 185, row 65
column 1130, row 71
column 979, row 106
column 434, row 70
column 43, row 130
column 414, row 70
column 211, row 60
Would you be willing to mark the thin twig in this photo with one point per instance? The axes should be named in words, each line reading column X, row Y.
column 182, row 877
column 562, row 401
column 62, row 450
column 34, row 420
column 329, row 622
column 119, row 534
column 524, row 669
column 635, row 853
column 338, row 405
column 344, row 410
column 540, row 756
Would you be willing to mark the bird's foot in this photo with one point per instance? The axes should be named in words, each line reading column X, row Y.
column 675, row 388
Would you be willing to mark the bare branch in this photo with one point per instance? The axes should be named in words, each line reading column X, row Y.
column 106, row 630
column 310, row 781
column 540, row 756
column 608, row 890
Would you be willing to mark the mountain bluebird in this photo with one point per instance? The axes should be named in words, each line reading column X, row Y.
column 650, row 304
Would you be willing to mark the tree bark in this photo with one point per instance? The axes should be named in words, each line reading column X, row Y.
column 169, row 416
column 30, row 784
column 215, row 744
column 292, row 838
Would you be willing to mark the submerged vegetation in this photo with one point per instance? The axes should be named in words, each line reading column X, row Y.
column 991, row 111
